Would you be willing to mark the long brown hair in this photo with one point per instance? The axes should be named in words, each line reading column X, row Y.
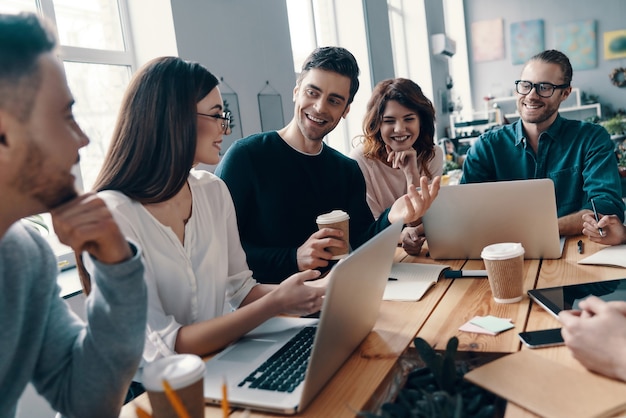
column 154, row 141
column 409, row 95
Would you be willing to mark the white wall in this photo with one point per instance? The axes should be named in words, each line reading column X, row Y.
column 152, row 29
column 245, row 42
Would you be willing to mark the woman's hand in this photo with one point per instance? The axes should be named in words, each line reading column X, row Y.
column 413, row 205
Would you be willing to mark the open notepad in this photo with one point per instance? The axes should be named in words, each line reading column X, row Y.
column 614, row 256
column 409, row 281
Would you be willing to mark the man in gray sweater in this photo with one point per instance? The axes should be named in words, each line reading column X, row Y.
column 83, row 370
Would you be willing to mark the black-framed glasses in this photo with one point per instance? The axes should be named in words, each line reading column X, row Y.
column 544, row 90
column 224, row 116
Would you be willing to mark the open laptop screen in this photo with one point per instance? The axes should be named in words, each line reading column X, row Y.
column 465, row 218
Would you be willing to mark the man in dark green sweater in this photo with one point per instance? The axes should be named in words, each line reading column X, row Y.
column 282, row 180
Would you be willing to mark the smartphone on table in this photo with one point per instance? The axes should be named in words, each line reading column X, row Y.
column 542, row 338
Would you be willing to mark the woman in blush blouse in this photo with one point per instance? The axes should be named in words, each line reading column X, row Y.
column 397, row 148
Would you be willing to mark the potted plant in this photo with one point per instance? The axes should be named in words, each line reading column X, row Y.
column 616, row 127
column 436, row 388
column 620, row 152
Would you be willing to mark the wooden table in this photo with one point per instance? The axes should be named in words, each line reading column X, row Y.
column 364, row 378
column 362, row 383
column 557, row 273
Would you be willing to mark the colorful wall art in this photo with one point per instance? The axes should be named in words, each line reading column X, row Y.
column 615, row 44
column 488, row 40
column 578, row 41
column 527, row 39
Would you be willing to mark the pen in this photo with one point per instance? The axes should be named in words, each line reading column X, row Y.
column 174, row 399
column 595, row 214
column 455, row 274
column 142, row 413
column 580, row 246
column 225, row 405
column 392, row 279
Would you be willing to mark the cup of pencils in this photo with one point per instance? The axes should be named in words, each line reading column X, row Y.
column 175, row 386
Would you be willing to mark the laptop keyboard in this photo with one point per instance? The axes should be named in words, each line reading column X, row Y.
column 284, row 370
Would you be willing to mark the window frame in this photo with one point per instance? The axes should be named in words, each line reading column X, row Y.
column 126, row 58
column 82, row 55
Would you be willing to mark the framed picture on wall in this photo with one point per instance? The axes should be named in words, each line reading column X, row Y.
column 270, row 108
column 578, row 41
column 527, row 39
column 615, row 44
column 488, row 40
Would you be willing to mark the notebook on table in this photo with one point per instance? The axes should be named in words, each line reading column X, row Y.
column 410, row 281
column 351, row 306
column 465, row 218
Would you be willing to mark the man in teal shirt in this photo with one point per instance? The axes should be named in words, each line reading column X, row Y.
column 577, row 156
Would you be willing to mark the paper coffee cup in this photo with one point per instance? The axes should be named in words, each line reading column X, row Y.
column 185, row 374
column 505, row 270
column 340, row 220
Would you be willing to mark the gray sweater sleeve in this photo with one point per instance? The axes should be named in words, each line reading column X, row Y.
column 86, row 370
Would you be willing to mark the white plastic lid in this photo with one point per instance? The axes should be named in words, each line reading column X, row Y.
column 180, row 370
column 502, row 251
column 336, row 215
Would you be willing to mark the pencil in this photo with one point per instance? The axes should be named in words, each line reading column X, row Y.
column 177, row 404
column 595, row 214
column 142, row 413
column 225, row 405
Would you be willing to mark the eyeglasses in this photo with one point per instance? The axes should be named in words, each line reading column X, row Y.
column 224, row 116
column 544, row 90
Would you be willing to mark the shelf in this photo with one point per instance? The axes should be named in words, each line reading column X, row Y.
column 478, row 123
column 571, row 108
column 575, row 112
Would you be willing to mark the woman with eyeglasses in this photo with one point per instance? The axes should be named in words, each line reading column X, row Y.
column 201, row 294
column 397, row 148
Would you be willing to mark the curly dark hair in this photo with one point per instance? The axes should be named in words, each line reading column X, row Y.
column 409, row 95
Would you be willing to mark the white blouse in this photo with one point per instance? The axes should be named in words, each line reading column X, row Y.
column 192, row 282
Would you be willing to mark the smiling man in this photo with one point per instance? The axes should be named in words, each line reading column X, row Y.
column 282, row 180
column 577, row 156
column 83, row 370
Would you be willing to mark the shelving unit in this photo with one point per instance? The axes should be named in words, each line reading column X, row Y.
column 571, row 108
column 463, row 127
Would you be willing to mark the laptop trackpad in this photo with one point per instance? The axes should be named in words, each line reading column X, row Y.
column 246, row 350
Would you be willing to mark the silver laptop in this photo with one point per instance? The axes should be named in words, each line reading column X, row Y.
column 465, row 218
column 350, row 309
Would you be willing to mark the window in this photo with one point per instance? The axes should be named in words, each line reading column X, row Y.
column 314, row 23
column 98, row 59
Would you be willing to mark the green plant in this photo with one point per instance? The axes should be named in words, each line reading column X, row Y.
column 620, row 152
column 438, row 389
column 449, row 164
column 615, row 126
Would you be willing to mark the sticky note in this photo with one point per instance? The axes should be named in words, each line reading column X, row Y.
column 492, row 323
column 469, row 327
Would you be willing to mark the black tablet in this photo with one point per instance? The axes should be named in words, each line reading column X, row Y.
column 556, row 299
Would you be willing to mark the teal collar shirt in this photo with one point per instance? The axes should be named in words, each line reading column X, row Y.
column 577, row 156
